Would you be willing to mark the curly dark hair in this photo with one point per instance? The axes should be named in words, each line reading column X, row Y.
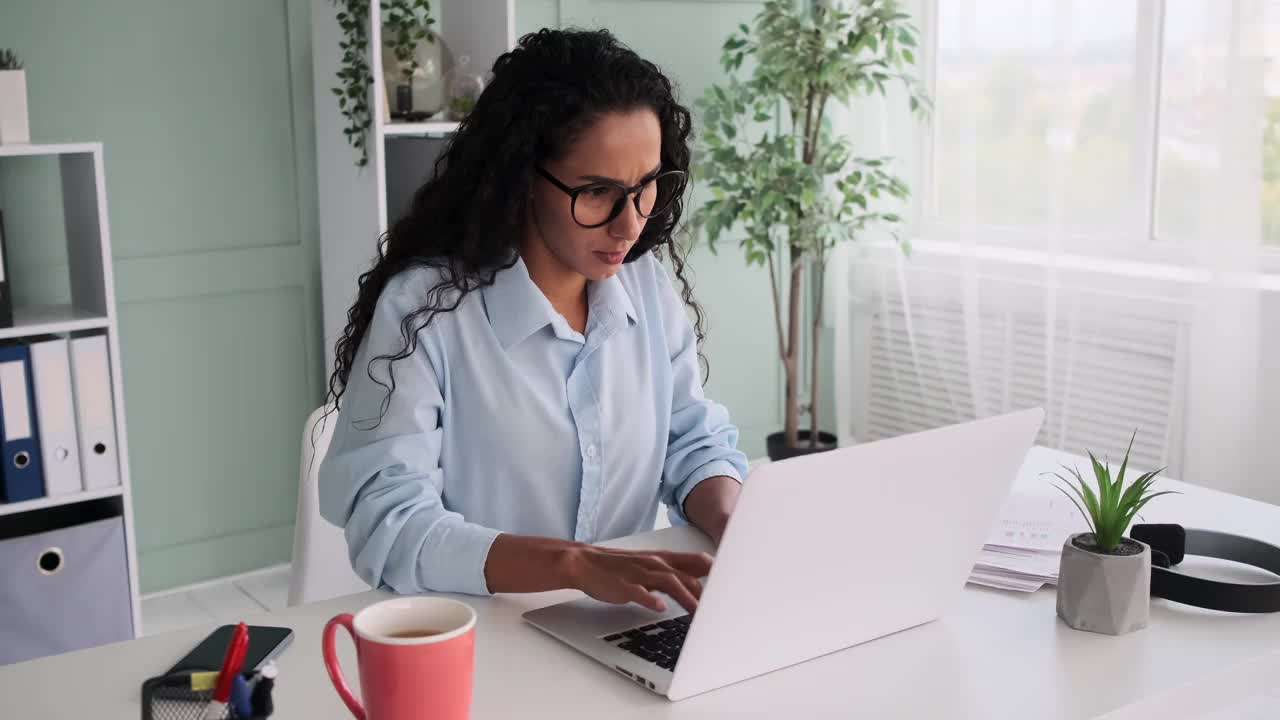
column 467, row 221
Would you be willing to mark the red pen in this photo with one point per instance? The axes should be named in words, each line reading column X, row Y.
column 231, row 663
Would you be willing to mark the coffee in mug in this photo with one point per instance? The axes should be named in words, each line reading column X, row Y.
column 415, row 655
column 414, row 633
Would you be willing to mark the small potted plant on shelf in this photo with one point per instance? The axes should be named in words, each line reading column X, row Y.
column 464, row 88
column 1104, row 578
column 410, row 71
column 406, row 24
column 13, row 99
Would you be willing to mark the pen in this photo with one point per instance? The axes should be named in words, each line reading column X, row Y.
column 226, row 676
column 239, row 702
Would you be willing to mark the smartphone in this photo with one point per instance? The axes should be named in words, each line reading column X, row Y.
column 265, row 643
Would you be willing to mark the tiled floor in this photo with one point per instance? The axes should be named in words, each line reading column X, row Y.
column 219, row 601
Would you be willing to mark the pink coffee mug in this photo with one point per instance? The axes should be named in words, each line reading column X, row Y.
column 416, row 658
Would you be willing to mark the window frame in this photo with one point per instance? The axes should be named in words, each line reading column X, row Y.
column 1145, row 245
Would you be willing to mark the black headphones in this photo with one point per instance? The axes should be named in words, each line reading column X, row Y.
column 1170, row 543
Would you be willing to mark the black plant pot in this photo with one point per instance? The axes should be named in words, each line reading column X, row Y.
column 778, row 450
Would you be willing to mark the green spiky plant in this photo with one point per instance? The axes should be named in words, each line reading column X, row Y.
column 9, row 60
column 1110, row 509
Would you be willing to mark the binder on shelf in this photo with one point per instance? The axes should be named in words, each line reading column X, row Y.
column 20, row 474
column 56, row 415
column 6, row 299
column 91, row 383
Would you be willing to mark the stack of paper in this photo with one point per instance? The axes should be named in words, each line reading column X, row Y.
column 1025, row 546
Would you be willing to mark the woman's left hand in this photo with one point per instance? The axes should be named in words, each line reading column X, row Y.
column 710, row 503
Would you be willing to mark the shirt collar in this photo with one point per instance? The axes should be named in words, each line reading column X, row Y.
column 517, row 308
column 609, row 297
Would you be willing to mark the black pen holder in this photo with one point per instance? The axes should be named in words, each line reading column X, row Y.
column 170, row 697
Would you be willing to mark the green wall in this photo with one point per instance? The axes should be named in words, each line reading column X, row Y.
column 204, row 110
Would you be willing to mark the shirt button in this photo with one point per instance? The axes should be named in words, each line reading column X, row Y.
column 591, row 452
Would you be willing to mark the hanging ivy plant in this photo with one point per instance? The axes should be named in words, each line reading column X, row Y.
column 406, row 22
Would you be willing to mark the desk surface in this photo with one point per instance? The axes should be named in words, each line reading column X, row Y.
column 994, row 655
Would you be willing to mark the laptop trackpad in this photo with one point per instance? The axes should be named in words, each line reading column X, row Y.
column 593, row 617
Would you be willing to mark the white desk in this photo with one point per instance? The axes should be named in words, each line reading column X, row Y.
column 995, row 655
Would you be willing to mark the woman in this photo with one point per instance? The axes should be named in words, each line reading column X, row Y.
column 518, row 377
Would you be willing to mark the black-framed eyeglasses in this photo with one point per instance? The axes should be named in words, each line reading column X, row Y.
column 597, row 203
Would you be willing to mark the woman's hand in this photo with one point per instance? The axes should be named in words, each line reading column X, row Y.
column 710, row 503
column 621, row 576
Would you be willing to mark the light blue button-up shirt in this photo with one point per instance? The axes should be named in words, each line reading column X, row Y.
column 505, row 419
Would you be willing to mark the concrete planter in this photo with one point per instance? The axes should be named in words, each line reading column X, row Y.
column 13, row 107
column 1104, row 593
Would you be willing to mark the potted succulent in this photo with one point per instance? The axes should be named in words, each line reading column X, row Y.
column 13, row 100
column 780, row 172
column 1104, row 578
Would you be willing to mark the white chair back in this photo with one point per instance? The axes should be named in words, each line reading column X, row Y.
column 321, row 565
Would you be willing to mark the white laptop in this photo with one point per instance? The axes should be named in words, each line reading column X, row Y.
column 847, row 546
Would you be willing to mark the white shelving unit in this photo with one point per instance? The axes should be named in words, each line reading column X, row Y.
column 59, row 500
column 52, row 320
column 357, row 204
column 92, row 307
column 434, row 128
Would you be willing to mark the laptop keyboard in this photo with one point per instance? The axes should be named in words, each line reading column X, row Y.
column 658, row 643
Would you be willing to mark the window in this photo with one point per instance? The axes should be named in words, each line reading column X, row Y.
column 1037, row 124
column 1099, row 120
column 1197, row 35
column 1099, row 235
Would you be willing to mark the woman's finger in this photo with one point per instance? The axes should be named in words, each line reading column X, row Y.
column 641, row 596
column 653, row 563
column 670, row 583
column 648, row 562
column 695, row 564
column 691, row 583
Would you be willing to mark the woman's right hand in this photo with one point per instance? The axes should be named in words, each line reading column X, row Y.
column 621, row 576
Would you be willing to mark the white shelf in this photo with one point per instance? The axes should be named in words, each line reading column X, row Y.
column 355, row 202
column 433, row 127
column 48, row 502
column 51, row 319
column 19, row 149
column 91, row 306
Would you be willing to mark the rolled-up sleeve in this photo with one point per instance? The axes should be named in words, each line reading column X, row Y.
column 381, row 480
column 702, row 442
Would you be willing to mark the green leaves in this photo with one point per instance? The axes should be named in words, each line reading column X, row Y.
column 769, row 165
column 766, row 142
column 1111, row 509
column 406, row 23
column 9, row 60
